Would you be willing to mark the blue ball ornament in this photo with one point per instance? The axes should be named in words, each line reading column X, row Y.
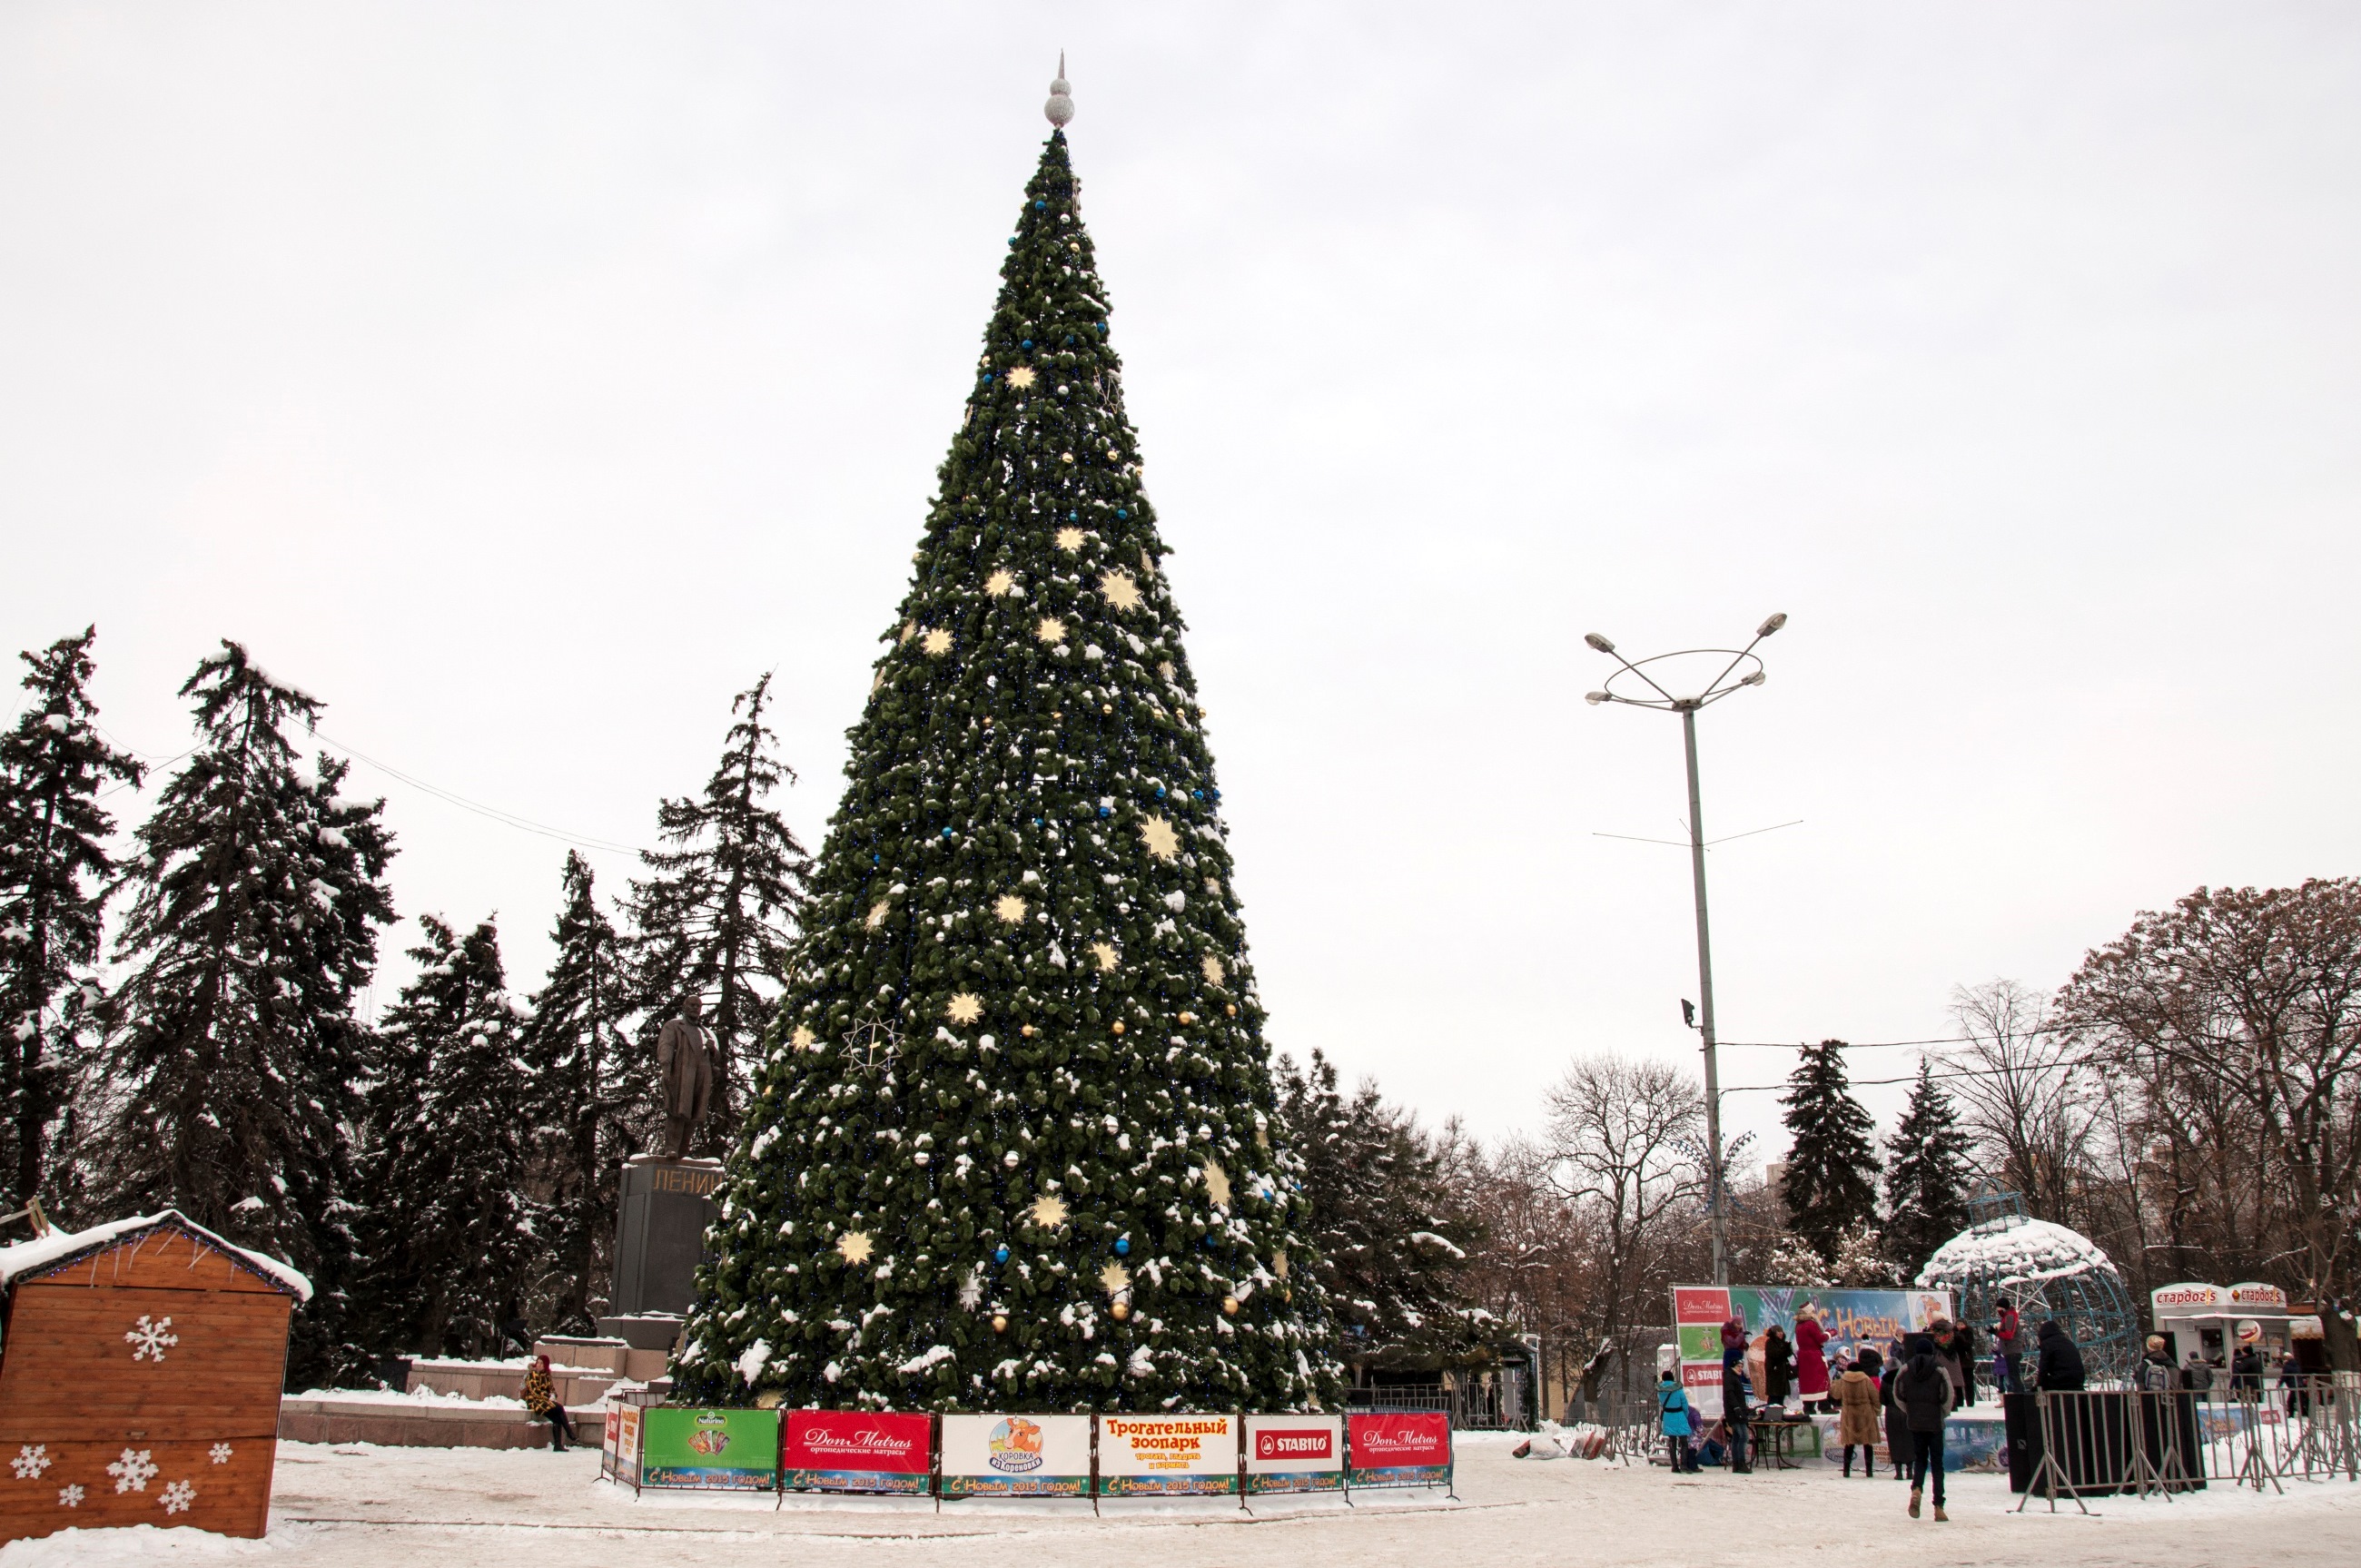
column 1026, row 343
column 1121, row 512
column 1123, row 1246
column 947, row 832
column 1000, row 1254
column 1106, row 811
column 1160, row 791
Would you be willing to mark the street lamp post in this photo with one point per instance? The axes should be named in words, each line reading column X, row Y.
column 1720, row 686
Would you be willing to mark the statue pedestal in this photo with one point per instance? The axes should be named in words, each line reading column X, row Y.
column 664, row 1209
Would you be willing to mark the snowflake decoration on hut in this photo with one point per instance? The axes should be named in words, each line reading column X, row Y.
column 219, row 1452
column 132, row 1471
column 30, row 1461
column 178, row 1497
column 149, row 1338
column 71, row 1497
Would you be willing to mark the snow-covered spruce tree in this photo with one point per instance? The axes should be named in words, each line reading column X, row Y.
column 1831, row 1183
column 1390, row 1238
column 232, row 1079
column 55, row 876
column 717, row 915
column 451, row 1236
column 1926, row 1177
column 583, row 1083
column 1015, row 1140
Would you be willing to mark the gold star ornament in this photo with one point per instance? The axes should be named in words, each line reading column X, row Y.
column 1069, row 540
column 803, row 1039
column 1009, row 907
column 1000, row 582
column 1217, row 1183
column 853, row 1246
column 1048, row 1210
column 1051, row 630
column 877, row 913
column 937, row 643
column 1120, row 590
column 1021, row 378
column 1115, row 1277
column 1215, row 974
column 965, row 1008
column 1161, row 840
column 1105, row 954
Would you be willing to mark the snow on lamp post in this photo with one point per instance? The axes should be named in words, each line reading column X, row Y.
column 1656, row 697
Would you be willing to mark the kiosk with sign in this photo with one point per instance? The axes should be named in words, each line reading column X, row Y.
column 2217, row 1321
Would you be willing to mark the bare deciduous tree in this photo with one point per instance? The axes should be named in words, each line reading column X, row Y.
column 2025, row 1094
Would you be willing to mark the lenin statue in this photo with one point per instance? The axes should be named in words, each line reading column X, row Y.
column 687, row 1058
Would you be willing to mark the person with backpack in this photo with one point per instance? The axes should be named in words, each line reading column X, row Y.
column 2155, row 1374
column 1926, row 1394
column 1677, row 1422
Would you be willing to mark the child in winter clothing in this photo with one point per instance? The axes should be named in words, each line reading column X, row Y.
column 1679, row 1423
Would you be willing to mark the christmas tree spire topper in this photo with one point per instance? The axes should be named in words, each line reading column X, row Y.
column 1061, row 107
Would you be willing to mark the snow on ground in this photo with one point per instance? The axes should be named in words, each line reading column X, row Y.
column 352, row 1506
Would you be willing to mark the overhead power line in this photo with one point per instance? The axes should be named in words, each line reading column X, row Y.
column 506, row 818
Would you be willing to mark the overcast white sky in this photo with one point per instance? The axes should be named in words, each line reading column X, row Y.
column 524, row 380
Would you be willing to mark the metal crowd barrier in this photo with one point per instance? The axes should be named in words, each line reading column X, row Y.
column 2109, row 1441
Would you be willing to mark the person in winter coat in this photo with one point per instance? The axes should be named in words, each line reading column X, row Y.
column 2196, row 1374
column 1947, row 1351
column 1678, row 1422
column 540, row 1401
column 1964, row 1341
column 1758, row 1360
column 2006, row 1343
column 1778, row 1365
column 1811, row 1362
column 2246, row 1373
column 1737, row 1409
column 2155, row 1374
column 2057, row 1363
column 1857, row 1409
column 1925, row 1392
column 1897, row 1420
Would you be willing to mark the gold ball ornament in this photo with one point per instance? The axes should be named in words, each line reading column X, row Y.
column 1188, row 1018
column 1000, row 1322
column 1118, row 1028
column 1107, row 708
column 1120, row 1310
column 1231, row 1008
column 1027, row 1031
column 1229, row 1306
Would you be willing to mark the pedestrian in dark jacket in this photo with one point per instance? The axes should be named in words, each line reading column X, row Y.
column 2246, row 1373
column 2056, row 1363
column 2195, row 1375
column 1737, row 1406
column 1897, row 1420
column 1963, row 1341
column 1778, row 1366
column 2155, row 1374
column 1926, row 1395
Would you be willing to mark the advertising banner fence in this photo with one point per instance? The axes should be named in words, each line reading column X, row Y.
column 1852, row 1319
column 1295, row 1454
column 855, row 1451
column 618, row 1451
column 1402, row 1448
column 1015, row 1456
column 711, row 1451
column 1168, row 1456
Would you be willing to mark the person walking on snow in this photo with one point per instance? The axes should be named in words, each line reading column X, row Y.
column 1811, row 1364
column 540, row 1399
column 1925, row 1391
column 1677, row 1423
column 1857, row 1402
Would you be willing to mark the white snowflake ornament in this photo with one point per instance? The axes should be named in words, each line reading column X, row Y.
column 132, row 1471
column 30, row 1461
column 149, row 1339
column 178, row 1497
column 220, row 1452
column 70, row 1497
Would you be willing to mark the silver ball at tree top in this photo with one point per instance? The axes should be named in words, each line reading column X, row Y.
column 1060, row 108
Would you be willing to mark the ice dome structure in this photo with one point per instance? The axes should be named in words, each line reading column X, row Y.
column 2044, row 1271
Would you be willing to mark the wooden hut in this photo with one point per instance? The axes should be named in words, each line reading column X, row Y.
column 140, row 1365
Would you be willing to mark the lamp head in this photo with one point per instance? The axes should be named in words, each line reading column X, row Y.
column 1598, row 642
column 1756, row 679
column 1595, row 699
column 1772, row 625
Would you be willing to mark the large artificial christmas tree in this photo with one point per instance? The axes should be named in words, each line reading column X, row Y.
column 234, row 1078
column 1926, row 1177
column 55, row 875
column 1013, row 1142
column 1831, row 1181
column 715, row 917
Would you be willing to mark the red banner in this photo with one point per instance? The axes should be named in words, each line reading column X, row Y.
column 1399, row 1449
column 849, row 1450
column 1695, row 1304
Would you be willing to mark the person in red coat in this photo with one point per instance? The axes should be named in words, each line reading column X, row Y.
column 1811, row 1361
